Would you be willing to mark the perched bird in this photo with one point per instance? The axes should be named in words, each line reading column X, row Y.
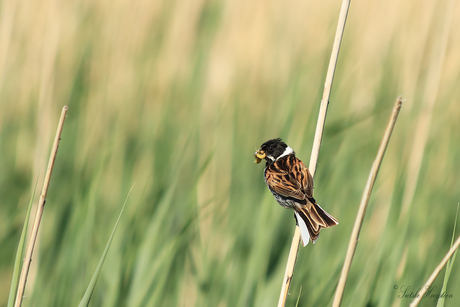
column 291, row 184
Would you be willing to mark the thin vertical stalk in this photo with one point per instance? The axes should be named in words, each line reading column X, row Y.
column 364, row 202
column 39, row 213
column 316, row 143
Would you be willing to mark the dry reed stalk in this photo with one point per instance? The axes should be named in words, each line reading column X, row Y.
column 39, row 213
column 316, row 143
column 435, row 273
column 364, row 202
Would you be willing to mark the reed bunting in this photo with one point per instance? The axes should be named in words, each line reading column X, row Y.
column 291, row 184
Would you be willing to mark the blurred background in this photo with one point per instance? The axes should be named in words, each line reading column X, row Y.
column 175, row 96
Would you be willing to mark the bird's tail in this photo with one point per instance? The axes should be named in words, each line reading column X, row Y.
column 311, row 218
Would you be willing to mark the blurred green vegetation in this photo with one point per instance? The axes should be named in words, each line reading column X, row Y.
column 175, row 96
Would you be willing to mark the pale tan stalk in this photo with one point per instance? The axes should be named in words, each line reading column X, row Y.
column 364, row 202
column 38, row 215
column 316, row 143
column 435, row 273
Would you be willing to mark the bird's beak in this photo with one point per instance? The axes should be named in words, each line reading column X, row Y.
column 260, row 154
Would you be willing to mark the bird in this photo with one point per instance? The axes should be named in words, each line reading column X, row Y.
column 291, row 183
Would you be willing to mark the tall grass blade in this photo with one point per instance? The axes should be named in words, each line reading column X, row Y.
column 92, row 284
column 298, row 297
column 450, row 264
column 20, row 252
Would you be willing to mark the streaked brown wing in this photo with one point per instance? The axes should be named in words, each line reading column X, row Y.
column 282, row 180
column 302, row 174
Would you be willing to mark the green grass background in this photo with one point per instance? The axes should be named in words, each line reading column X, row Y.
column 175, row 96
